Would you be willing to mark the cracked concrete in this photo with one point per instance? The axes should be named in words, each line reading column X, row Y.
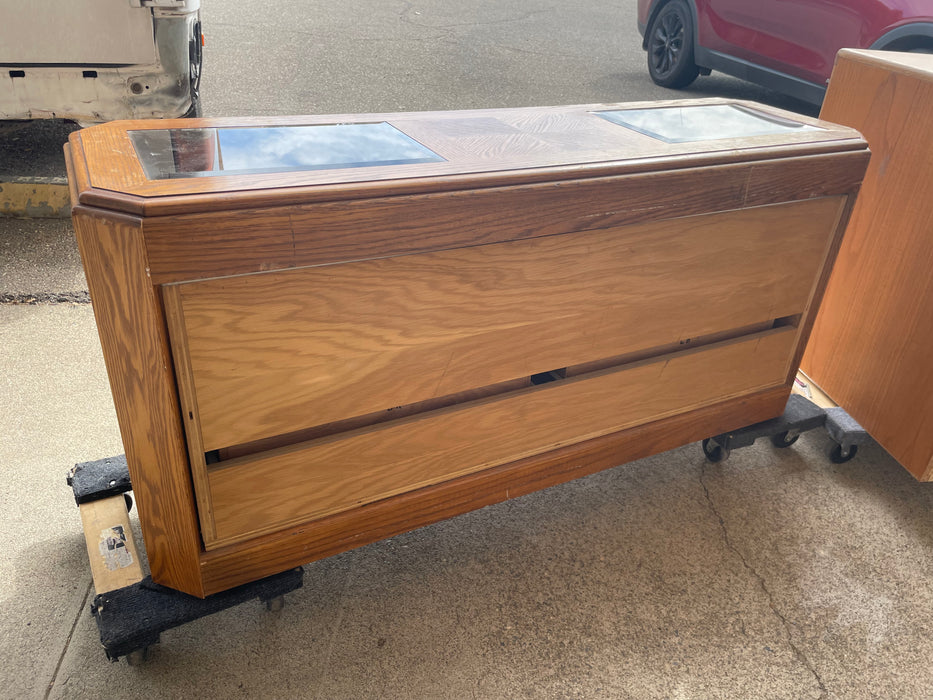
column 788, row 626
column 33, row 298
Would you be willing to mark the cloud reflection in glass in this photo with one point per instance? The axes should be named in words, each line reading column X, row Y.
column 703, row 122
column 176, row 153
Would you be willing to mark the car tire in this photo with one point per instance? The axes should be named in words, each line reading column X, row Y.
column 670, row 46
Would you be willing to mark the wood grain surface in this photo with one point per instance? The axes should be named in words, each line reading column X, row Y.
column 870, row 346
column 226, row 242
column 264, row 492
column 315, row 301
column 139, row 366
column 232, row 565
column 190, row 413
column 279, row 352
column 540, row 143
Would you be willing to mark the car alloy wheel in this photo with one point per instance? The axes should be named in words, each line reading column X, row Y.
column 670, row 46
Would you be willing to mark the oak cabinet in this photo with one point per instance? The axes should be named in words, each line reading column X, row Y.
column 322, row 331
column 870, row 348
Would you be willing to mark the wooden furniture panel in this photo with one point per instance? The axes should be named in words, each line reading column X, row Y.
column 330, row 232
column 870, row 346
column 135, row 347
column 574, row 136
column 260, row 493
column 305, row 361
column 254, row 558
column 275, row 353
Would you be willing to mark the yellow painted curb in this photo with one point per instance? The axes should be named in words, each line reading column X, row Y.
column 38, row 198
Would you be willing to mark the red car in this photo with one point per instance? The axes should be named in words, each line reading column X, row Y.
column 786, row 45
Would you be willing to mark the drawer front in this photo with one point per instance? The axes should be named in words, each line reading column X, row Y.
column 273, row 353
column 270, row 490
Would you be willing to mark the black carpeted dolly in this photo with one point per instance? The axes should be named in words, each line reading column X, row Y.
column 800, row 415
column 130, row 609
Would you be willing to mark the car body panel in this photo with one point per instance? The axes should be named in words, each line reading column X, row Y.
column 791, row 45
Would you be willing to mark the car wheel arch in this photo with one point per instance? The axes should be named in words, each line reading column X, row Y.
column 691, row 5
column 907, row 37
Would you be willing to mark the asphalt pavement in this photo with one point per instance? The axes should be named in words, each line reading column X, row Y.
column 775, row 574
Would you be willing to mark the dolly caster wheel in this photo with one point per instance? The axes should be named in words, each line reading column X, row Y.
column 275, row 604
column 841, row 455
column 137, row 657
column 785, row 439
column 714, row 451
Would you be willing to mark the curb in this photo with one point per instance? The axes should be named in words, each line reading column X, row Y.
column 35, row 197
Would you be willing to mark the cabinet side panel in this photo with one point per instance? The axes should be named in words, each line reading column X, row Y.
column 871, row 345
column 132, row 332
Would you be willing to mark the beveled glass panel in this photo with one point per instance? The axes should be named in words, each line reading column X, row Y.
column 703, row 122
column 182, row 153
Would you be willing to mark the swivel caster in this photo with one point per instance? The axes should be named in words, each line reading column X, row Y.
column 137, row 657
column 714, row 451
column 785, row 439
column 275, row 604
column 841, row 454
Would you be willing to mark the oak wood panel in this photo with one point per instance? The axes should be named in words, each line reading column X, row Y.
column 489, row 390
column 260, row 493
column 157, row 206
column 190, row 416
column 328, row 232
column 262, row 556
column 72, row 172
column 275, row 353
column 133, row 338
column 818, row 289
column 567, row 152
column 870, row 349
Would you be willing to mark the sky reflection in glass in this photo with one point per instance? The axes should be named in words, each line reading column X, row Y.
column 703, row 122
column 175, row 153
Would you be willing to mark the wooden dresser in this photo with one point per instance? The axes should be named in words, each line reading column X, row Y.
column 872, row 345
column 323, row 331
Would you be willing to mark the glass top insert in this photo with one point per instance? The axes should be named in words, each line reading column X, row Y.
column 181, row 153
column 703, row 122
